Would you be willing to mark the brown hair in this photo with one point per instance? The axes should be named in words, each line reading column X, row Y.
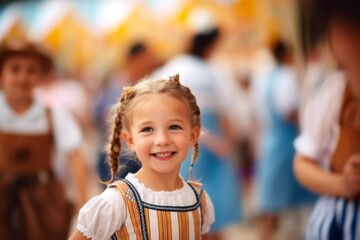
column 131, row 96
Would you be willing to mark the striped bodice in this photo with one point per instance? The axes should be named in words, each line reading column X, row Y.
column 147, row 221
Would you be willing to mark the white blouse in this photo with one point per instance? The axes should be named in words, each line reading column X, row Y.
column 320, row 128
column 104, row 214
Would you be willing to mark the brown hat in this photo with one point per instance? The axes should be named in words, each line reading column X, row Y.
column 24, row 48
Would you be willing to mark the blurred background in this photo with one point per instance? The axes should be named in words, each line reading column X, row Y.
column 94, row 42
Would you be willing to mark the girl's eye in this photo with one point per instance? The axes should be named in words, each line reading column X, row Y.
column 147, row 129
column 175, row 127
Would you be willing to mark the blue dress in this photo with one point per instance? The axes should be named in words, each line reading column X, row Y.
column 277, row 187
column 219, row 178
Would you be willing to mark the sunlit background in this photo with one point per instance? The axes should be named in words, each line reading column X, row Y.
column 89, row 41
column 82, row 34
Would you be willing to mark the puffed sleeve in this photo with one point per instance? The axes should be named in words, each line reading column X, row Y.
column 209, row 215
column 320, row 119
column 102, row 215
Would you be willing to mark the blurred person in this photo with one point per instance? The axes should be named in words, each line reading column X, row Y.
column 277, row 100
column 328, row 151
column 139, row 61
column 234, row 95
column 214, row 169
column 66, row 93
column 33, row 202
column 60, row 91
column 160, row 122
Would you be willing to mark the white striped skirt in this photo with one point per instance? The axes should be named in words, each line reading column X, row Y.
column 334, row 219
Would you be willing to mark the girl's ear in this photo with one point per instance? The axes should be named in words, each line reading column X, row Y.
column 128, row 140
column 195, row 133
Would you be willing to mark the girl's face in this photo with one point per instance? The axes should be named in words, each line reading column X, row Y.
column 345, row 47
column 161, row 133
column 19, row 76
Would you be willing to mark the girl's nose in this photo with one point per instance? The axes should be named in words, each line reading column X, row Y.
column 162, row 138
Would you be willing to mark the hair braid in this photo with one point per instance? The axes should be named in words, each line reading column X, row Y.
column 196, row 121
column 115, row 144
column 193, row 160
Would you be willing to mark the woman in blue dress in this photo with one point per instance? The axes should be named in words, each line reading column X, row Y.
column 278, row 189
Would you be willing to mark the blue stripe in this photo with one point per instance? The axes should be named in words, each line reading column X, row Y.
column 322, row 218
column 355, row 224
column 343, row 218
column 333, row 230
column 343, row 211
column 357, row 236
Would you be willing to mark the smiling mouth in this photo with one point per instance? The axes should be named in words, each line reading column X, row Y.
column 163, row 155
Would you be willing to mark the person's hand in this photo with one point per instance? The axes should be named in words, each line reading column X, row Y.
column 351, row 177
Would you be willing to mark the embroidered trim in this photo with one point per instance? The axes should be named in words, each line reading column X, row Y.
column 129, row 195
column 176, row 208
column 140, row 206
column 114, row 237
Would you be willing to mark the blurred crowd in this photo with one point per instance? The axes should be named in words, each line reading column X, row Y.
column 252, row 64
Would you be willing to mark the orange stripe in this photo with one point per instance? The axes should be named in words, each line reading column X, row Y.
column 135, row 219
column 203, row 208
column 183, row 221
column 196, row 217
column 147, row 219
column 168, row 225
column 160, row 225
column 164, row 225
column 123, row 233
column 180, row 224
column 132, row 209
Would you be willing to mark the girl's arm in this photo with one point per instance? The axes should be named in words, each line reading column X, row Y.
column 323, row 182
column 77, row 235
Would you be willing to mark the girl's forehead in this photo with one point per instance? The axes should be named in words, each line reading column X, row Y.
column 156, row 101
column 160, row 99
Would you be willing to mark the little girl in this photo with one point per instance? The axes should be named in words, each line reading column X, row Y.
column 159, row 120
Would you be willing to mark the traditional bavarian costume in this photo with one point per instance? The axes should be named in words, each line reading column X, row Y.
column 129, row 210
column 331, row 134
column 27, row 142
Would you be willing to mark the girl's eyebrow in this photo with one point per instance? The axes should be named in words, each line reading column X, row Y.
column 176, row 120
column 143, row 123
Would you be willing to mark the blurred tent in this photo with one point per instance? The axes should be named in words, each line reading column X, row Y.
column 83, row 33
column 12, row 23
column 59, row 26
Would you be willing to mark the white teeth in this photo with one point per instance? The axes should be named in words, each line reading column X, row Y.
column 163, row 154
